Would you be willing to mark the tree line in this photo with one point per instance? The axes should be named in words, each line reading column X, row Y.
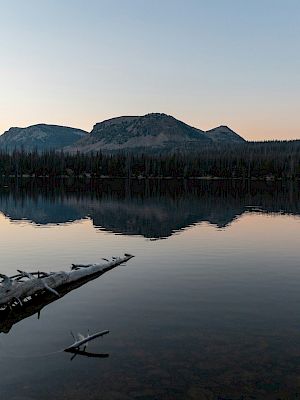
column 274, row 160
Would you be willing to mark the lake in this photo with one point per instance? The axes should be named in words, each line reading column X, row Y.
column 209, row 307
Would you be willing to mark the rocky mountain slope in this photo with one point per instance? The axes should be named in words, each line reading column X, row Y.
column 151, row 132
column 40, row 137
column 223, row 134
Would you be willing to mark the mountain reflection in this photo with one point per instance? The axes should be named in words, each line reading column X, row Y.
column 153, row 209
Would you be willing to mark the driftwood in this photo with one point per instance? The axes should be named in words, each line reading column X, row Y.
column 75, row 348
column 82, row 340
column 25, row 286
column 15, row 312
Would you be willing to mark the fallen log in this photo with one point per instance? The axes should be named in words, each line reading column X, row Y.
column 83, row 340
column 24, row 285
column 15, row 312
column 75, row 348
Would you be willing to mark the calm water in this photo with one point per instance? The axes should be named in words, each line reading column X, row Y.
column 209, row 308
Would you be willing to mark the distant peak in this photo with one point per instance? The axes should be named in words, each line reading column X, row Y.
column 224, row 133
column 224, row 127
column 40, row 137
column 221, row 128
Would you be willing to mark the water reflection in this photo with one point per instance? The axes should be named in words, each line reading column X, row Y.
column 87, row 354
column 153, row 209
column 210, row 313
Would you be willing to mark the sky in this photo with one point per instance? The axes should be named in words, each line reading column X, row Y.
column 208, row 63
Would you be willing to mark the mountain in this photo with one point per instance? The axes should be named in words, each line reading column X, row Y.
column 40, row 137
column 151, row 132
column 223, row 134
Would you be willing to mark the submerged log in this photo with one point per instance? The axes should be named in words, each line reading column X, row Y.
column 25, row 285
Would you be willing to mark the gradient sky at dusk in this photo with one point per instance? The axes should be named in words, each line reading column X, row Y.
column 207, row 63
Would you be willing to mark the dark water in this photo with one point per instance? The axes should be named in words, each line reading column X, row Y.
column 209, row 308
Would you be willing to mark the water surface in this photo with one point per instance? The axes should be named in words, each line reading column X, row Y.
column 209, row 308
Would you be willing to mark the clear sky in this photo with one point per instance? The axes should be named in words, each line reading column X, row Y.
column 76, row 62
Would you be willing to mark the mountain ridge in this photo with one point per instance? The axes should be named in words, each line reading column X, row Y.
column 153, row 132
column 40, row 137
